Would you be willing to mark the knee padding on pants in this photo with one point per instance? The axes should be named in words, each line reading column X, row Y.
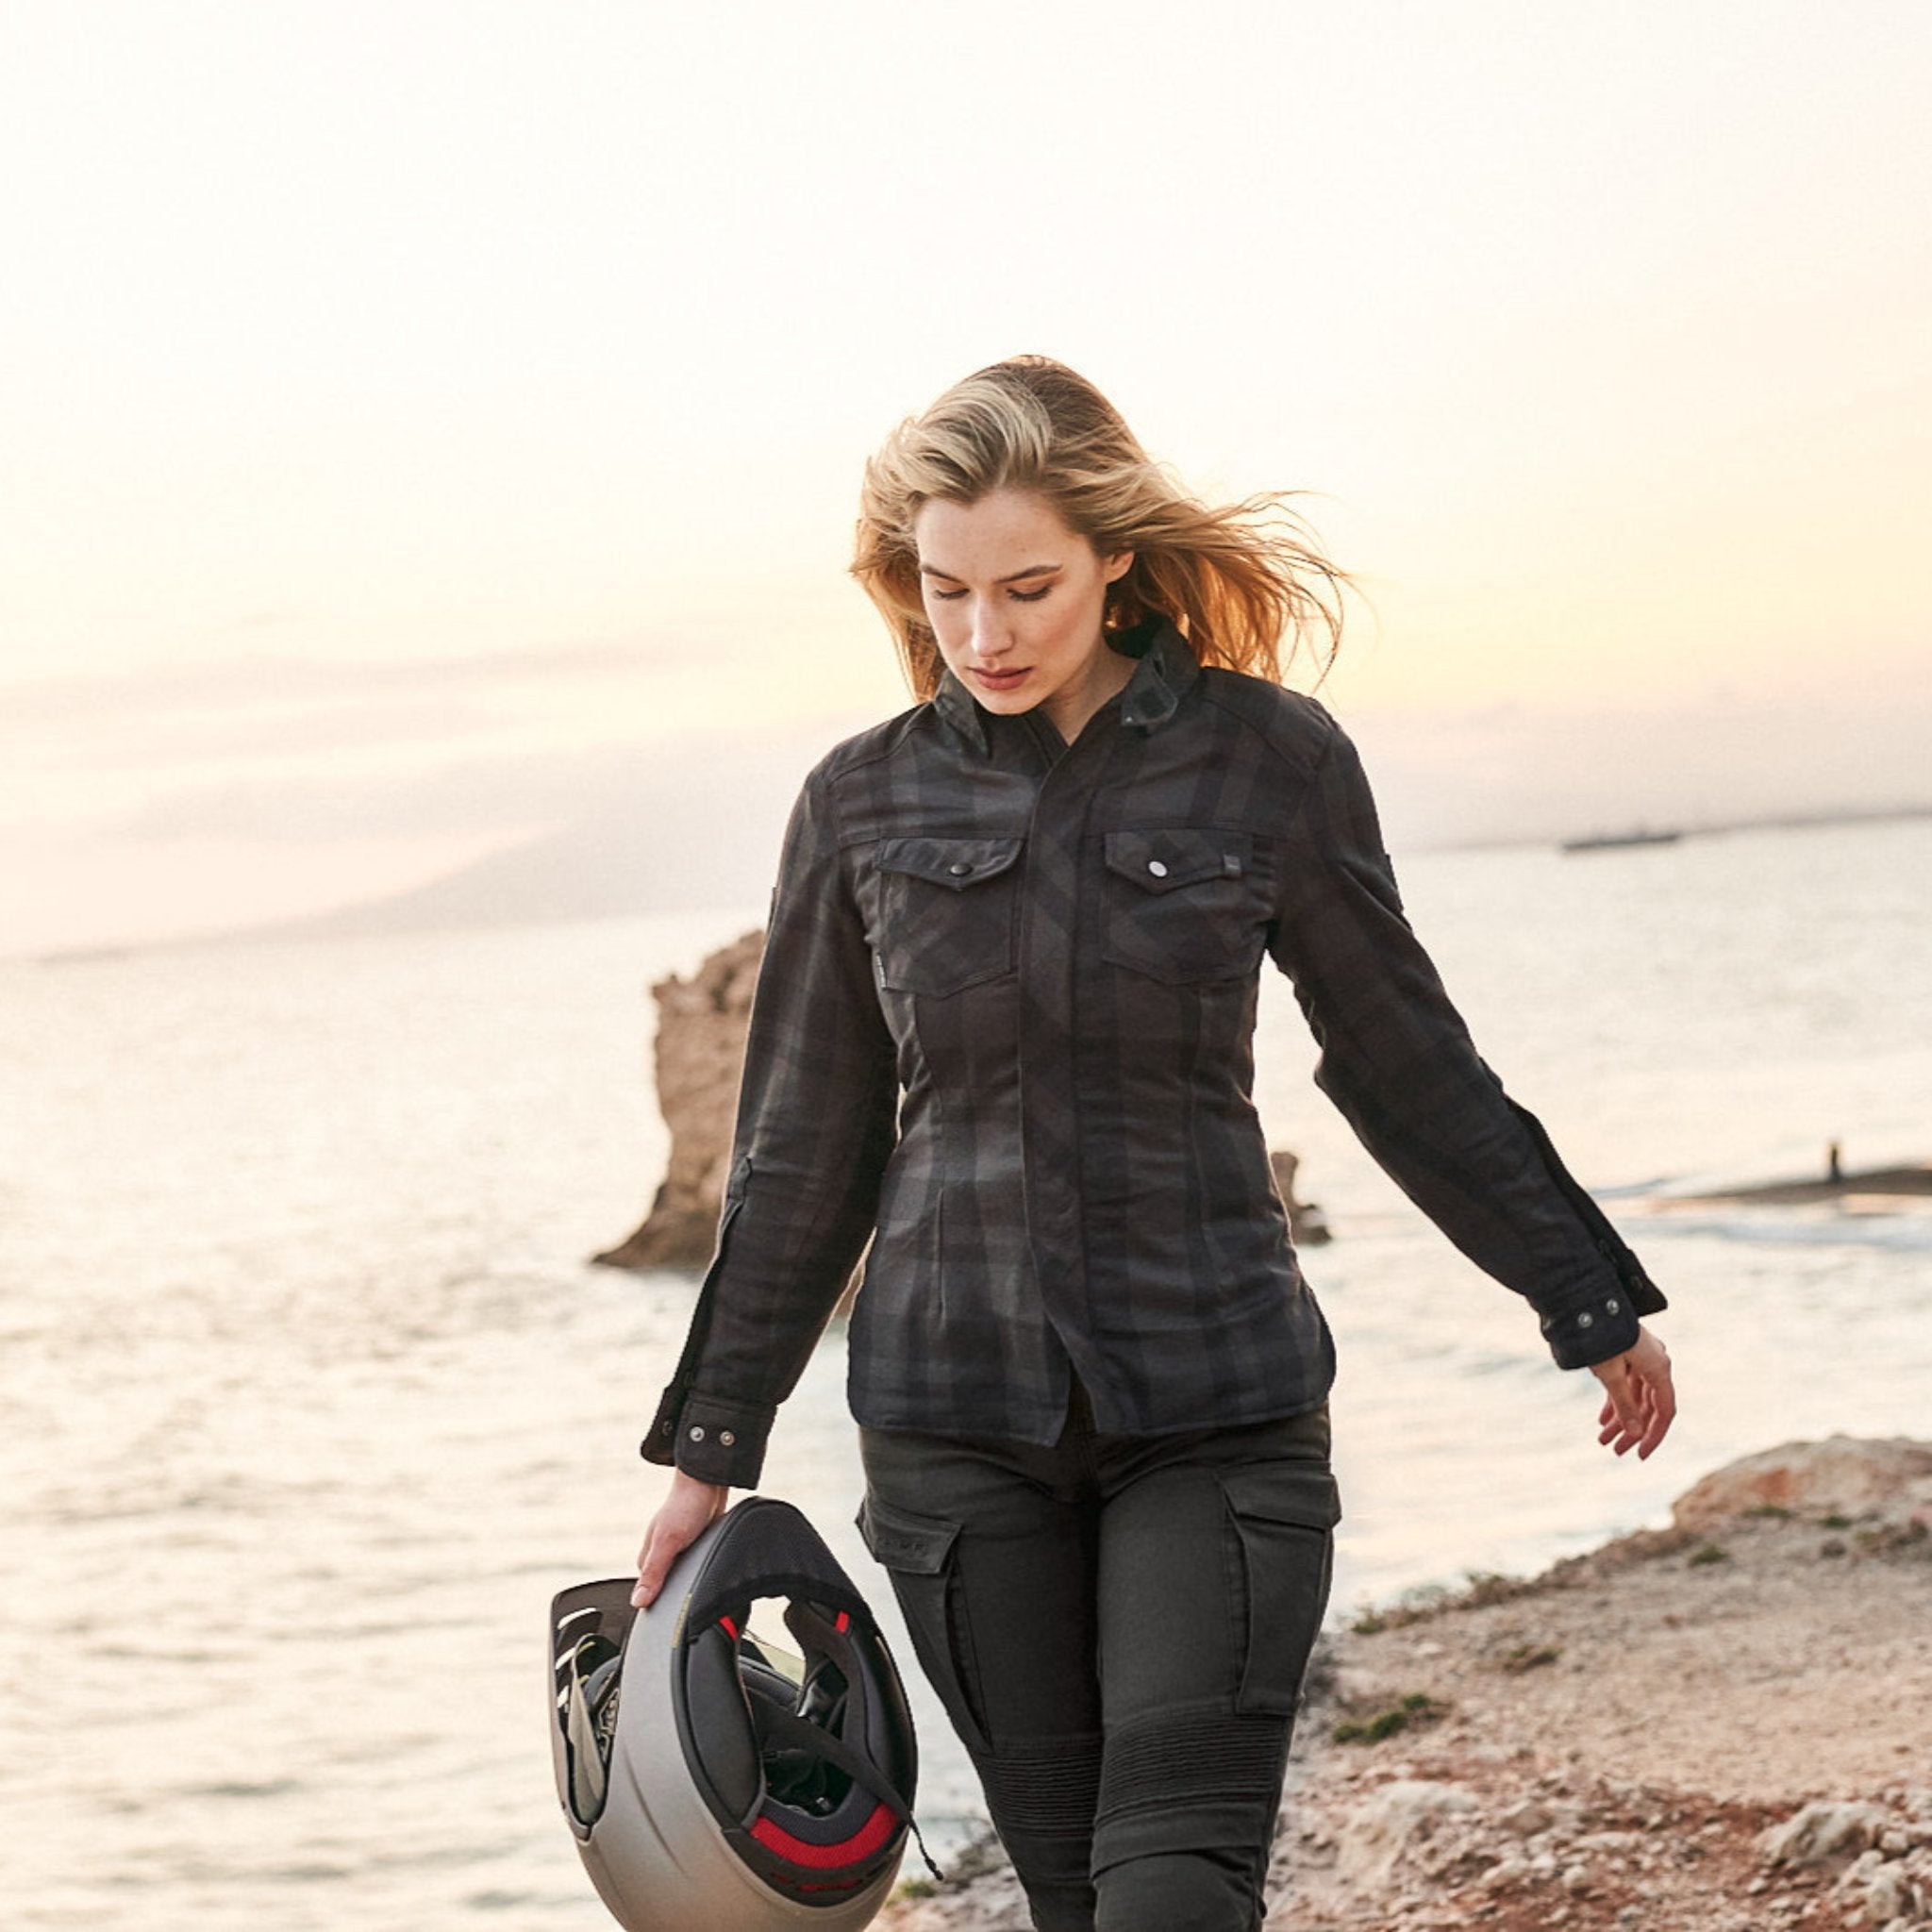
column 1043, row 1787
column 1184, row 1780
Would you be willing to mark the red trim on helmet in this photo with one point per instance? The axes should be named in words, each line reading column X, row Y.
column 844, row 1624
column 873, row 1835
column 729, row 1629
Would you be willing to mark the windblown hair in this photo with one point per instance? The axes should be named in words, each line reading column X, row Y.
column 1245, row 583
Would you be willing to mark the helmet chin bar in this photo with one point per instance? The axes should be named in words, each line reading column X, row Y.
column 712, row 1778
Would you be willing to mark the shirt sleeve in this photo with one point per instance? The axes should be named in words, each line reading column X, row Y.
column 1399, row 1063
column 817, row 1113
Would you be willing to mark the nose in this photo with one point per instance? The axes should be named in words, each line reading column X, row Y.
column 991, row 638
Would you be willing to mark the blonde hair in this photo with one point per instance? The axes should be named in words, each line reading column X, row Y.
column 1245, row 583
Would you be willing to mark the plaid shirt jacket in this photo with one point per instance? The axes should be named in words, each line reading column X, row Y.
column 1002, row 1028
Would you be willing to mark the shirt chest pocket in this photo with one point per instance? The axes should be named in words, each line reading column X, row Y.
column 1184, row 907
column 948, row 910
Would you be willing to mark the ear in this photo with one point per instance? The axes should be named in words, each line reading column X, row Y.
column 1114, row 568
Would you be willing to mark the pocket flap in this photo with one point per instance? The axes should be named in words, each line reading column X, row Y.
column 1160, row 861
column 955, row 863
column 903, row 1539
column 1283, row 1493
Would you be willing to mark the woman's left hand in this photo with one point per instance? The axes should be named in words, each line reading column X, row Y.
column 1640, row 1400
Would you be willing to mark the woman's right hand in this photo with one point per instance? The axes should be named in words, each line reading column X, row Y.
column 685, row 1513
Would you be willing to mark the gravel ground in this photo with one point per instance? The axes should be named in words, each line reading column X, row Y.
column 1722, row 1727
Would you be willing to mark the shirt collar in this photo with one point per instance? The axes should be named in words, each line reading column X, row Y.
column 1162, row 675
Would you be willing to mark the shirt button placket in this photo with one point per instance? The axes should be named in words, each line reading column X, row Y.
column 1052, row 884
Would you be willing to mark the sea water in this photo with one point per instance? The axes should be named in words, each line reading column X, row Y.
column 311, row 1400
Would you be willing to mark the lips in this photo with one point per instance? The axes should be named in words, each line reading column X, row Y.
column 999, row 680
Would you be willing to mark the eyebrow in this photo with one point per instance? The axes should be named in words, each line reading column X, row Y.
column 1037, row 569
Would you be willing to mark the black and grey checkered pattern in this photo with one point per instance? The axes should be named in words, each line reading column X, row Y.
column 1004, row 1029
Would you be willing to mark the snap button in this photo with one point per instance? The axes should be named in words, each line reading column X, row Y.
column 727, row 1436
column 1154, row 866
column 697, row 1435
column 1586, row 1319
column 1614, row 1307
column 958, row 868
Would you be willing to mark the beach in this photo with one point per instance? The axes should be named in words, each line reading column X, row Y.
column 1724, row 1725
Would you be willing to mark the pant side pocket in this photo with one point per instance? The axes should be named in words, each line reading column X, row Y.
column 1281, row 1520
column 919, row 1554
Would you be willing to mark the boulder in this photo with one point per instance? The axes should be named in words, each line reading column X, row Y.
column 1821, row 1831
column 1306, row 1225
column 1391, row 1823
column 699, row 1057
column 1889, row 1897
column 1842, row 1476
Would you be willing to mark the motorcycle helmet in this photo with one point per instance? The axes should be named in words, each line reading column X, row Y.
column 715, row 1781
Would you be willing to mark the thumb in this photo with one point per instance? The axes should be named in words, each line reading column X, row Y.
column 673, row 1530
column 661, row 1549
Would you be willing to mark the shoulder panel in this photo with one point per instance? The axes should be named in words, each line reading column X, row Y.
column 1295, row 728
column 877, row 742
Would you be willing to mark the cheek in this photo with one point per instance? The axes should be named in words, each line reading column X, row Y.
column 1077, row 624
column 953, row 648
column 943, row 619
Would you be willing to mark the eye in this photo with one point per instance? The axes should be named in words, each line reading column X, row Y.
column 943, row 597
column 1031, row 597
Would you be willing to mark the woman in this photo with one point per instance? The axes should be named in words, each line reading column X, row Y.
column 1003, row 1031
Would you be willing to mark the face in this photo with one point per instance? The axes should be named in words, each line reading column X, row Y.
column 1015, row 599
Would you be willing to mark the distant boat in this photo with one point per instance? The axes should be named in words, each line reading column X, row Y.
column 1610, row 842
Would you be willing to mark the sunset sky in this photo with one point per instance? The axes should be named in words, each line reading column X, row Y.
column 418, row 420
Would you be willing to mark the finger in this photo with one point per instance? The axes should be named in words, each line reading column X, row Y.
column 1627, row 1402
column 1663, row 1412
column 1611, row 1421
column 1609, row 1425
column 1639, row 1429
column 653, row 1565
column 1634, row 1403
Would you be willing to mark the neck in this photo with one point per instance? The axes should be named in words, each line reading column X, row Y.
column 1069, row 711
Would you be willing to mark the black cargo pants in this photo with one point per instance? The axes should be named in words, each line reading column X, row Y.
column 1118, row 1627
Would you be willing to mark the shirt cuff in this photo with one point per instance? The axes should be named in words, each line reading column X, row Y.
column 1593, row 1331
column 719, row 1442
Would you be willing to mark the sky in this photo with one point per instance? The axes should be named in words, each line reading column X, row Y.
column 421, row 421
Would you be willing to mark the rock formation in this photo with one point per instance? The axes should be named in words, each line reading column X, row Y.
column 698, row 1059
column 1307, row 1224
column 1842, row 1476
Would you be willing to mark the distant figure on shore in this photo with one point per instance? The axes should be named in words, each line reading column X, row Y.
column 1834, row 1168
column 1004, row 1033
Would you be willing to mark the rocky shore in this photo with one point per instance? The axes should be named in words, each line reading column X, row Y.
column 1722, row 1726
column 697, row 1060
